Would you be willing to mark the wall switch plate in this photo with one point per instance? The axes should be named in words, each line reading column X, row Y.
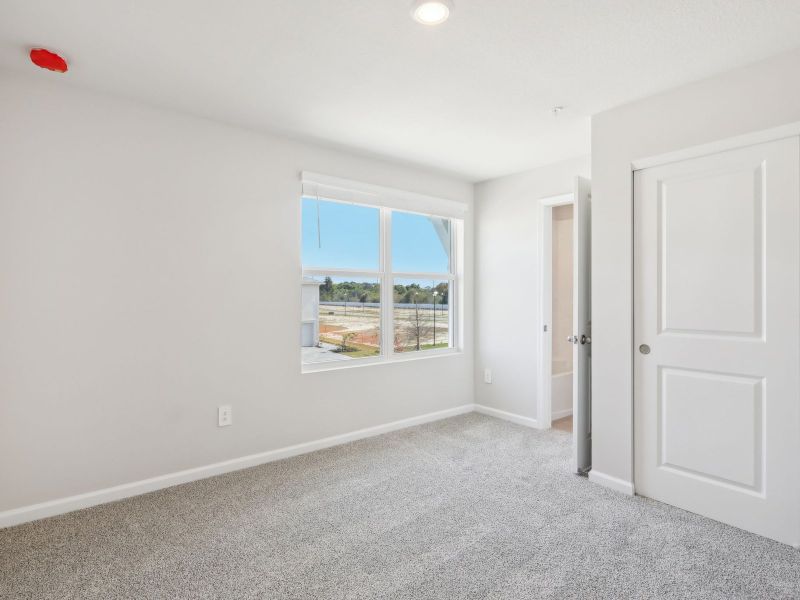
column 487, row 376
column 225, row 415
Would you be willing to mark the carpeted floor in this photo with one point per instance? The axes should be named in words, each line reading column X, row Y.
column 470, row 507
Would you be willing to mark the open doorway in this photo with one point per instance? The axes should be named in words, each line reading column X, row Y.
column 564, row 400
column 555, row 389
column 561, row 306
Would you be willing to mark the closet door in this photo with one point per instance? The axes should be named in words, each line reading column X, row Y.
column 717, row 336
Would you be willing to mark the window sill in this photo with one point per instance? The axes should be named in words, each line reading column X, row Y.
column 381, row 360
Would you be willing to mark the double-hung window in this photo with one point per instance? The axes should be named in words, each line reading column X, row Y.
column 381, row 275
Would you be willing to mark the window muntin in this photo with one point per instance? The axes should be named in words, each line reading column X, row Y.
column 402, row 306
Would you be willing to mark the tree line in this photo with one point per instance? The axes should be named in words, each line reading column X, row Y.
column 354, row 291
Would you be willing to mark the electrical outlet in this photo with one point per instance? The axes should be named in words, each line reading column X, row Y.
column 225, row 415
column 487, row 376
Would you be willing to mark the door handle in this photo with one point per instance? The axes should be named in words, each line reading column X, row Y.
column 644, row 349
column 573, row 339
column 585, row 340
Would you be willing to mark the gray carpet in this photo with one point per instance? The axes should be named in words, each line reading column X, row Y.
column 470, row 507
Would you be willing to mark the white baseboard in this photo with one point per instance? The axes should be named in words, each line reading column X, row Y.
column 614, row 483
column 33, row 512
column 560, row 414
column 507, row 416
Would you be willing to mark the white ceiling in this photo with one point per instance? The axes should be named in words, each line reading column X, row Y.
column 471, row 97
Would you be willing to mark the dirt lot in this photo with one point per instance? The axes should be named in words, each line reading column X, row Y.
column 361, row 325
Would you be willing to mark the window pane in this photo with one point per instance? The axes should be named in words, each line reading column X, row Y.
column 421, row 315
column 341, row 319
column 420, row 244
column 340, row 236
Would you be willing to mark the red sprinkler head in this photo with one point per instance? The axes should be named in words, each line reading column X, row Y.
column 48, row 60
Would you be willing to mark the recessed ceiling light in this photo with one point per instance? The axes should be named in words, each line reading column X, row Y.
column 431, row 12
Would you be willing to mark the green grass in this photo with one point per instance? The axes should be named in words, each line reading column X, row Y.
column 363, row 350
column 425, row 347
column 354, row 350
column 432, row 346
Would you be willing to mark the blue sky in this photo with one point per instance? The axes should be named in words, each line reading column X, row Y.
column 349, row 239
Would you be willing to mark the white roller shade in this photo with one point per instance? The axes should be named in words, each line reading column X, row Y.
column 345, row 190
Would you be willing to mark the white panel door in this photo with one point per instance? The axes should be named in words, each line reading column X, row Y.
column 716, row 336
column 582, row 326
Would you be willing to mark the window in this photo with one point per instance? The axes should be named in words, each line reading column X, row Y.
column 378, row 283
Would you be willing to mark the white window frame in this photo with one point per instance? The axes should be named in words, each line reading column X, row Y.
column 386, row 277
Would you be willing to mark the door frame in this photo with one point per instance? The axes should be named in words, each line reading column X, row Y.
column 731, row 143
column 544, row 413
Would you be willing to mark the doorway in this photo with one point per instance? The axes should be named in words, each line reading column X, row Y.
column 564, row 400
column 561, row 320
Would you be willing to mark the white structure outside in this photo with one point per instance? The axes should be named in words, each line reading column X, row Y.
column 309, row 333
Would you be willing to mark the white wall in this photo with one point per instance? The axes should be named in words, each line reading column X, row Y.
column 763, row 95
column 149, row 271
column 507, row 299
